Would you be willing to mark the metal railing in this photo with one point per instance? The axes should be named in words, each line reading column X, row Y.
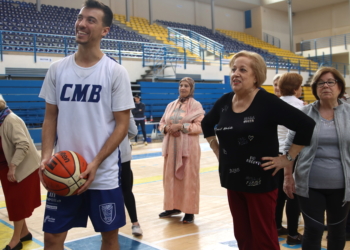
column 191, row 38
column 272, row 40
column 150, row 53
column 325, row 42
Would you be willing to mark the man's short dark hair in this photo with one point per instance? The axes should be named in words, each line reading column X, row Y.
column 108, row 14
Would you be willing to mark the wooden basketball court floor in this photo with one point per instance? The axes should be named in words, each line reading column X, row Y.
column 212, row 229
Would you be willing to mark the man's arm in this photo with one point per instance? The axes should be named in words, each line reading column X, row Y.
column 119, row 133
column 48, row 136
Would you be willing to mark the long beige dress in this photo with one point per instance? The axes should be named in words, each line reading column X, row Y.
column 182, row 156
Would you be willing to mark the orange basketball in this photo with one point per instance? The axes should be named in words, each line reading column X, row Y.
column 61, row 174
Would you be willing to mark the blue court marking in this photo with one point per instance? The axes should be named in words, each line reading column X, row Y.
column 204, row 147
column 292, row 246
column 10, row 226
column 142, row 156
column 280, row 239
column 231, row 243
column 94, row 242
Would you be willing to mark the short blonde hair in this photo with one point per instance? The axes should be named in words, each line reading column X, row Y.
column 2, row 102
column 289, row 82
column 276, row 77
column 258, row 65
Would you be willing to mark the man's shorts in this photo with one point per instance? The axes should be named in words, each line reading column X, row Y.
column 104, row 207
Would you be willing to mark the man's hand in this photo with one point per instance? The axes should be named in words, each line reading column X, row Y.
column 41, row 171
column 90, row 172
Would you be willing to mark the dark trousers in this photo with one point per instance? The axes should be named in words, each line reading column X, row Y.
column 254, row 219
column 127, row 182
column 313, row 208
column 292, row 209
column 143, row 128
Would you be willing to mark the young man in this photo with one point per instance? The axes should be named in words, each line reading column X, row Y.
column 88, row 101
column 139, row 116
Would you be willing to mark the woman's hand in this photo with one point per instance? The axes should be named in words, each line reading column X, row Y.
column 11, row 173
column 289, row 185
column 176, row 134
column 172, row 128
column 277, row 163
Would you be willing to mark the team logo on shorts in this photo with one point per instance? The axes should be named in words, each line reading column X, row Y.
column 108, row 212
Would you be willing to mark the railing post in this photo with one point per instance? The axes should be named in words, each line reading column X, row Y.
column 330, row 49
column 276, row 65
column 120, row 52
column 165, row 53
column 203, row 63
column 315, row 48
column 185, row 58
column 289, row 65
column 183, row 42
column 220, row 60
column 323, row 58
column 273, row 41
column 65, row 46
column 143, row 55
column 34, row 40
column 301, row 47
column 1, row 56
column 346, row 46
column 191, row 45
column 309, row 66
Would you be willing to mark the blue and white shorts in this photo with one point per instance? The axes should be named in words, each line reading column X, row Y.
column 104, row 207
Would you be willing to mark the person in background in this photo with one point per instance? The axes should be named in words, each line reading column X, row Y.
column 245, row 122
column 181, row 126
column 289, row 86
column 19, row 163
column 321, row 175
column 139, row 116
column 127, row 178
column 276, row 89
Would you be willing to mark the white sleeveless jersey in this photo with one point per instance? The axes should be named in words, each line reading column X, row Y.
column 86, row 99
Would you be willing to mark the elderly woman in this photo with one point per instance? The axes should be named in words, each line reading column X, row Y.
column 276, row 89
column 323, row 168
column 19, row 161
column 247, row 120
column 289, row 87
column 181, row 125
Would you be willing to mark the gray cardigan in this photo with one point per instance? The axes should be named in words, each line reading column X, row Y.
column 307, row 155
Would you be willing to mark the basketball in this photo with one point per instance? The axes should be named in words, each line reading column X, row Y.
column 62, row 172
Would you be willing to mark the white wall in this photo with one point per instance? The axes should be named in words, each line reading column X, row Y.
column 322, row 22
column 135, row 69
column 276, row 23
column 256, row 29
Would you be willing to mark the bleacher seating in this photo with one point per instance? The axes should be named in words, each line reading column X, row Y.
column 52, row 24
column 142, row 26
column 286, row 54
column 156, row 99
column 22, row 98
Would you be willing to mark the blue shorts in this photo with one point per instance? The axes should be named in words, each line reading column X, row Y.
column 104, row 207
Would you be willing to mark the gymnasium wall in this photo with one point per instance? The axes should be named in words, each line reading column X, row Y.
column 135, row 69
column 322, row 22
column 176, row 11
column 276, row 23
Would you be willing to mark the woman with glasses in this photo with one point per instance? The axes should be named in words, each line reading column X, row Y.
column 321, row 178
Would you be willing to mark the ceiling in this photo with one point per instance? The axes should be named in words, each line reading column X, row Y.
column 297, row 5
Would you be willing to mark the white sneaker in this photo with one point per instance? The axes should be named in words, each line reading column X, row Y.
column 136, row 230
column 146, row 143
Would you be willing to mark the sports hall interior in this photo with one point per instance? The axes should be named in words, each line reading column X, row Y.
column 159, row 42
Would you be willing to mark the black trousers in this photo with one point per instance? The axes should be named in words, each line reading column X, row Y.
column 292, row 209
column 127, row 182
column 143, row 128
column 313, row 208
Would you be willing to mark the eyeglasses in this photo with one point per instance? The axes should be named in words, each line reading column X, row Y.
column 330, row 83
